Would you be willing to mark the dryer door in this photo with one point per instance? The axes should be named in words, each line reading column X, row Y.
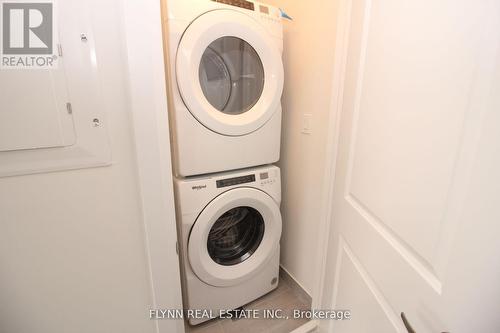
column 229, row 72
column 234, row 237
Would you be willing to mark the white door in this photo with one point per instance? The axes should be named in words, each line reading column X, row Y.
column 234, row 237
column 229, row 72
column 416, row 199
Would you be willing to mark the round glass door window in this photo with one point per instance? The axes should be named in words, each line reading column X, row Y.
column 235, row 236
column 231, row 75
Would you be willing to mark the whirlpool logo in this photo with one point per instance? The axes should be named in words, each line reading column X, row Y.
column 199, row 187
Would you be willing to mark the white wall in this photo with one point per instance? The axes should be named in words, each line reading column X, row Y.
column 72, row 249
column 308, row 60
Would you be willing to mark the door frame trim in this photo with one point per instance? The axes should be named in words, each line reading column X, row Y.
column 149, row 122
column 343, row 19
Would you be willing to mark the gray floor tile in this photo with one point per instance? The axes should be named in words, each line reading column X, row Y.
column 283, row 287
column 213, row 326
column 286, row 297
column 288, row 326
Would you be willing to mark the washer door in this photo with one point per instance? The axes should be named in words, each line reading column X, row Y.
column 229, row 72
column 234, row 237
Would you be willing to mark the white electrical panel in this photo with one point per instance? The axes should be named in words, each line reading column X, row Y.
column 35, row 111
column 53, row 119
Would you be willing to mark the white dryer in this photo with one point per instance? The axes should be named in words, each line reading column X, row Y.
column 229, row 233
column 226, row 81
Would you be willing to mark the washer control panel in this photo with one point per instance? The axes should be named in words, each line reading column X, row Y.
column 194, row 193
column 235, row 181
column 266, row 178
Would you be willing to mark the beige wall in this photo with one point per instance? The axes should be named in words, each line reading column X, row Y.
column 72, row 252
column 308, row 60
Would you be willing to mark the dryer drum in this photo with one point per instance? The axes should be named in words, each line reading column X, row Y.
column 231, row 75
column 235, row 236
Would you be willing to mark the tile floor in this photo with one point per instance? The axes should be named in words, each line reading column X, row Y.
column 288, row 296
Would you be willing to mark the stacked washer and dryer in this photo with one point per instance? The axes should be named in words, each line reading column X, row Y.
column 225, row 86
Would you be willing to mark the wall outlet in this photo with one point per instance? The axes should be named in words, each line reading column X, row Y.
column 307, row 123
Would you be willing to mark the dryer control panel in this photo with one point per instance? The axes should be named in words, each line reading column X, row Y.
column 265, row 11
column 238, row 3
column 269, row 15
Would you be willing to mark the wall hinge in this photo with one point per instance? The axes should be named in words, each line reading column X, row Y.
column 177, row 247
column 69, row 108
column 59, row 50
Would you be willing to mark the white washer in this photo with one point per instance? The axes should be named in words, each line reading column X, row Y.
column 226, row 81
column 229, row 232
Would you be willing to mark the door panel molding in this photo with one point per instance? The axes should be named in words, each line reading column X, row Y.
column 430, row 263
column 445, row 56
column 419, row 264
column 347, row 257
